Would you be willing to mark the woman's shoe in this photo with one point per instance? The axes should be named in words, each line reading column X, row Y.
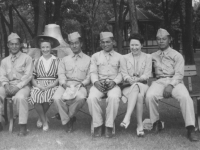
column 39, row 123
column 46, row 127
column 140, row 133
column 124, row 125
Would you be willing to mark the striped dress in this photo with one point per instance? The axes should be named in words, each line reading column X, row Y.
column 44, row 78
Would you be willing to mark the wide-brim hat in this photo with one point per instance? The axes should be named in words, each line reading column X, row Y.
column 39, row 38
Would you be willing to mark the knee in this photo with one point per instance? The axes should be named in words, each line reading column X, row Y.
column 150, row 96
column 92, row 99
column 56, row 99
column 113, row 99
column 20, row 98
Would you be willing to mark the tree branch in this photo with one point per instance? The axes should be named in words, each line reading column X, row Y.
column 26, row 25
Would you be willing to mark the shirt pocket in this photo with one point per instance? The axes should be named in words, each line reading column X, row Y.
column 20, row 69
column 69, row 69
column 101, row 66
column 115, row 64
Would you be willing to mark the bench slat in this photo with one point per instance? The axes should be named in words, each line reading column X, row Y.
column 190, row 67
column 190, row 73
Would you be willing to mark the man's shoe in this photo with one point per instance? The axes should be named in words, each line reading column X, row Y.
column 108, row 132
column 157, row 126
column 23, row 130
column 70, row 124
column 191, row 136
column 98, row 131
column 1, row 127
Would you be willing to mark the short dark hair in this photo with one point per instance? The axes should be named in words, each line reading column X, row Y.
column 136, row 36
column 41, row 40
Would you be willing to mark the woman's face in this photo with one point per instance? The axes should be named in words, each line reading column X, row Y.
column 45, row 48
column 135, row 46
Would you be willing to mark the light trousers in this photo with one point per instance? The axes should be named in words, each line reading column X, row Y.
column 112, row 105
column 179, row 92
column 69, row 108
column 20, row 100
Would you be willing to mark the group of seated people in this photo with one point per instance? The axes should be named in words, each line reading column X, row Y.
column 47, row 79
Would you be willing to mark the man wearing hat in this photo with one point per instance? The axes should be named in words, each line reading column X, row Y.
column 16, row 72
column 73, row 71
column 169, row 70
column 105, row 76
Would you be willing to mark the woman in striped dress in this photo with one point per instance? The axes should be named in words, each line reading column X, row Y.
column 45, row 79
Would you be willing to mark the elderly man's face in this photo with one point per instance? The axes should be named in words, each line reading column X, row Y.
column 14, row 46
column 107, row 44
column 75, row 46
column 163, row 42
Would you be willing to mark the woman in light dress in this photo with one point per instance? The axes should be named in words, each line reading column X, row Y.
column 45, row 79
column 136, row 68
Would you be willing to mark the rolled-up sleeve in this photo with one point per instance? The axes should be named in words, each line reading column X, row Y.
column 28, row 71
column 61, row 72
column 94, row 69
column 179, row 70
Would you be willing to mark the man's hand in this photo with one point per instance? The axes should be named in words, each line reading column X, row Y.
column 111, row 84
column 65, row 85
column 11, row 90
column 99, row 86
column 8, row 90
column 168, row 91
column 132, row 80
column 14, row 90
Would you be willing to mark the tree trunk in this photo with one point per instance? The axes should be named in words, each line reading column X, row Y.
column 182, row 24
column 189, row 57
column 5, row 36
column 11, row 18
column 41, row 21
column 35, row 4
column 133, row 16
column 57, row 17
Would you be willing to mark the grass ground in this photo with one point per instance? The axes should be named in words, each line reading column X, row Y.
column 173, row 137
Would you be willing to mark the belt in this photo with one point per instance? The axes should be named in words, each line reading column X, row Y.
column 45, row 78
column 164, row 77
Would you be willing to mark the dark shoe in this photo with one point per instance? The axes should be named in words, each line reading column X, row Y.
column 191, row 136
column 70, row 124
column 98, row 131
column 108, row 132
column 56, row 116
column 22, row 130
column 157, row 126
column 1, row 127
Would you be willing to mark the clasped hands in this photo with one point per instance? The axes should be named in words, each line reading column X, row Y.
column 104, row 85
column 11, row 90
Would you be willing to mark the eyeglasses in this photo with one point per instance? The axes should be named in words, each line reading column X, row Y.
column 105, row 42
column 74, row 43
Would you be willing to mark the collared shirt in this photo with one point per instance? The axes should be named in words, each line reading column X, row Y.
column 74, row 67
column 136, row 66
column 169, row 63
column 16, row 70
column 105, row 65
